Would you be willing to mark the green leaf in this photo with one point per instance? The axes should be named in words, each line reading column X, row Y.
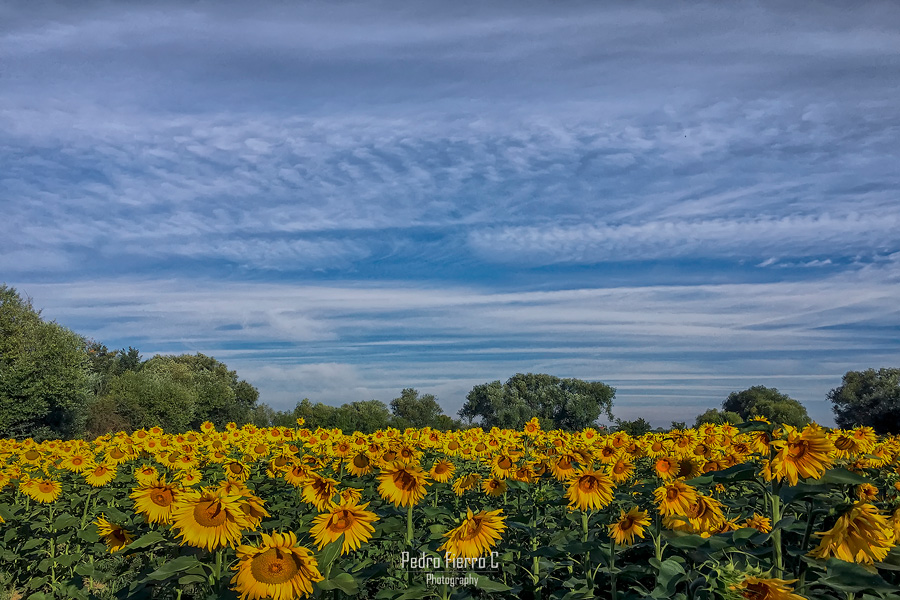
column 192, row 578
column 33, row 543
column 344, row 582
column 415, row 592
column 329, row 553
column 65, row 520
column 671, row 573
column 487, row 584
column 843, row 476
column 146, row 540
column 176, row 565
column 739, row 472
column 850, row 577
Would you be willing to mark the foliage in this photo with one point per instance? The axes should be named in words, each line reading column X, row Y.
column 635, row 428
column 761, row 401
column 413, row 410
column 717, row 417
column 175, row 392
column 870, row 398
column 569, row 404
column 44, row 375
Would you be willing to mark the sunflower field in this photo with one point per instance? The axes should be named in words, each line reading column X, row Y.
column 756, row 511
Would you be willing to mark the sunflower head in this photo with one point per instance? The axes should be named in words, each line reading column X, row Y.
column 629, row 526
column 277, row 568
column 351, row 520
column 477, row 534
column 115, row 536
column 589, row 490
column 404, row 484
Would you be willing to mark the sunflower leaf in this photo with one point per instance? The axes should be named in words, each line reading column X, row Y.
column 329, row 553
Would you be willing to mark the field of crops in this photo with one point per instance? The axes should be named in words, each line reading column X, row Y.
column 756, row 511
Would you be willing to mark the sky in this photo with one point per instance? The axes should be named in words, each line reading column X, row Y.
column 344, row 199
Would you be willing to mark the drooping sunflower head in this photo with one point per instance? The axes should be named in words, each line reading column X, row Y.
column 589, row 490
column 629, row 526
column 757, row 588
column 465, row 482
column 351, row 520
column 860, row 535
column 277, row 568
column 477, row 534
column 807, row 454
column 319, row 490
column 759, row 522
column 494, row 486
column 403, row 484
column 115, row 536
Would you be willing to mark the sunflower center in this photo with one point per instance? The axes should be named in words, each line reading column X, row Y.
column 504, row 463
column 116, row 453
column 588, row 483
column 619, row 468
column 797, row 451
column 453, row 446
column 626, row 523
column 341, row 521
column 209, row 513
column 672, row 495
column 236, row 468
column 45, row 487
column 441, row 468
column 404, row 481
column 162, row 498
column 32, row 455
column 274, row 566
column 118, row 536
column 756, row 591
column 843, row 443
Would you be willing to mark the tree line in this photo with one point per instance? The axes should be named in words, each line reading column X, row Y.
column 55, row 383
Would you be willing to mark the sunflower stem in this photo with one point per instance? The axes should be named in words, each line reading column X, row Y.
column 612, row 569
column 777, row 559
column 218, row 585
column 587, row 554
column 409, row 525
column 52, row 545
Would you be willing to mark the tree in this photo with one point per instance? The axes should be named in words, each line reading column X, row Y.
column 635, row 428
column 44, row 373
column 717, row 417
column 412, row 410
column 760, row 401
column 870, row 398
column 570, row 404
column 176, row 393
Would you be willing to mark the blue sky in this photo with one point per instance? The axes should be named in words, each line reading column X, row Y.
column 341, row 200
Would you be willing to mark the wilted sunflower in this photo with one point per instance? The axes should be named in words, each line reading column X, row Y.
column 156, row 500
column 352, row 520
column 756, row 588
column 209, row 519
column 860, row 535
column 807, row 454
column 759, row 522
column 42, row 490
column 867, row 492
column 115, row 536
column 589, row 489
column 465, row 482
column 402, row 484
column 278, row 569
column 477, row 534
column 629, row 526
column 675, row 498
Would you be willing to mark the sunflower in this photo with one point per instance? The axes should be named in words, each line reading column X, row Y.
column 351, row 519
column 675, row 498
column 807, row 454
column 620, row 471
column 319, row 491
column 589, row 489
column 115, row 536
column 235, row 470
column 190, row 477
column 360, row 464
column 42, row 490
column 278, row 569
column 493, row 487
column 755, row 588
column 477, row 534
column 100, row 475
column 666, row 467
column 629, row 526
column 860, row 535
column 442, row 471
column 759, row 522
column 402, row 484
column 156, row 500
column 209, row 519
column 465, row 482
column 77, row 463
column 705, row 515
column 866, row 491
column 296, row 475
column 146, row 474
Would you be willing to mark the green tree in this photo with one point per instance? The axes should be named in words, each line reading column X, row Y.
column 366, row 416
column 870, row 398
column 766, row 402
column 634, row 428
column 569, row 404
column 717, row 417
column 413, row 410
column 44, row 373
